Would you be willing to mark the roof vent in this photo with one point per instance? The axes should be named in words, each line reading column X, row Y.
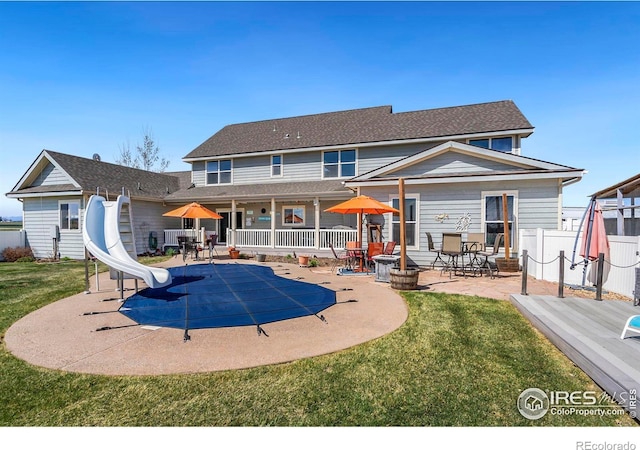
column 286, row 136
column 96, row 157
column 298, row 136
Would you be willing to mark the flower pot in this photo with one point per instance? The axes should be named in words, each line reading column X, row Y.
column 303, row 261
column 508, row 265
column 404, row 280
column 234, row 254
column 260, row 257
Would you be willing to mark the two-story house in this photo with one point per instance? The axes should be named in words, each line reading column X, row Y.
column 272, row 181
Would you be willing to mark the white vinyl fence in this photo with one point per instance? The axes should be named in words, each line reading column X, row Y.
column 13, row 238
column 544, row 246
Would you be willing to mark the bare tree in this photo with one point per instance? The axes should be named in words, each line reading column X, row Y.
column 146, row 157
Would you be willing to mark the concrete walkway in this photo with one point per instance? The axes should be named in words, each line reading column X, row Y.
column 64, row 336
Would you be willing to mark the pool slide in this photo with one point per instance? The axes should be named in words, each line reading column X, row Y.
column 102, row 237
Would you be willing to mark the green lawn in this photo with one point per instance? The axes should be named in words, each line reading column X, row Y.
column 458, row 361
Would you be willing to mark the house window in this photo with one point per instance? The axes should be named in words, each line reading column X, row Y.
column 276, row 165
column 410, row 219
column 493, row 216
column 503, row 144
column 219, row 172
column 293, row 215
column 70, row 216
column 339, row 164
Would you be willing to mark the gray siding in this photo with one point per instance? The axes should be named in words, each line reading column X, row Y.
column 40, row 215
column 147, row 217
column 453, row 162
column 50, row 176
column 305, row 166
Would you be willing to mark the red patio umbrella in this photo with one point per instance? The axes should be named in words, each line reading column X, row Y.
column 595, row 241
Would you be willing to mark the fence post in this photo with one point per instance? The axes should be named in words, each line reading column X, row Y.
column 599, row 276
column 525, row 260
column 561, row 276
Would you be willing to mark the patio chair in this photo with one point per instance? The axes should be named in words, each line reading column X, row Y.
column 374, row 249
column 389, row 248
column 487, row 265
column 433, row 249
column 452, row 248
column 343, row 258
column 184, row 242
column 633, row 324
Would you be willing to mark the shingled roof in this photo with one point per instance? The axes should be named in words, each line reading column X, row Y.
column 359, row 126
column 91, row 174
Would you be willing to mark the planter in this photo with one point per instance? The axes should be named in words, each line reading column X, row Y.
column 508, row 265
column 234, row 254
column 404, row 280
column 261, row 257
column 303, row 261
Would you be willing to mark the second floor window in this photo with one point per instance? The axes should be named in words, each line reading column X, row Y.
column 276, row 166
column 339, row 164
column 219, row 172
column 503, row 144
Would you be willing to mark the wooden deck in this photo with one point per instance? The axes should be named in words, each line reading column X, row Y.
column 588, row 332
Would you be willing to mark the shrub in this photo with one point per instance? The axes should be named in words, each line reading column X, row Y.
column 13, row 254
column 170, row 251
column 313, row 263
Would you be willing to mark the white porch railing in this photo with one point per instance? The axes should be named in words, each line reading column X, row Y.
column 171, row 236
column 253, row 238
column 293, row 238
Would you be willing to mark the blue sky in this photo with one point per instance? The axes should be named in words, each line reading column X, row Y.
column 85, row 77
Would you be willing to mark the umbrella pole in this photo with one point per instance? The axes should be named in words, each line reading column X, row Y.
column 403, row 234
column 588, row 246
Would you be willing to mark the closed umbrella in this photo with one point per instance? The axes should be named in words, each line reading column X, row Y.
column 594, row 242
column 361, row 204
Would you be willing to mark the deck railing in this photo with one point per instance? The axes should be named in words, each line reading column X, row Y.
column 293, row 238
column 171, row 236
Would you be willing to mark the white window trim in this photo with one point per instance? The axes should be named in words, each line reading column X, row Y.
column 304, row 213
column 483, row 213
column 281, row 166
column 69, row 230
column 490, row 139
column 206, row 172
column 340, row 176
column 389, row 218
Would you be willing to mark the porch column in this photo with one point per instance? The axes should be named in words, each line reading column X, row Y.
column 233, row 222
column 316, row 236
column 273, row 223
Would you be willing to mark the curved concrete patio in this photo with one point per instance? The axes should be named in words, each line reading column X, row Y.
column 70, row 334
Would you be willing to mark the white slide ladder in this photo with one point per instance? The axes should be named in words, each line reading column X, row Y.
column 107, row 233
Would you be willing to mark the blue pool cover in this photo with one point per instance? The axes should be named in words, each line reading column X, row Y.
column 226, row 295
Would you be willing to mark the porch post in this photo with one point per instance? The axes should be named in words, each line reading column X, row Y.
column 273, row 222
column 233, row 222
column 316, row 236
